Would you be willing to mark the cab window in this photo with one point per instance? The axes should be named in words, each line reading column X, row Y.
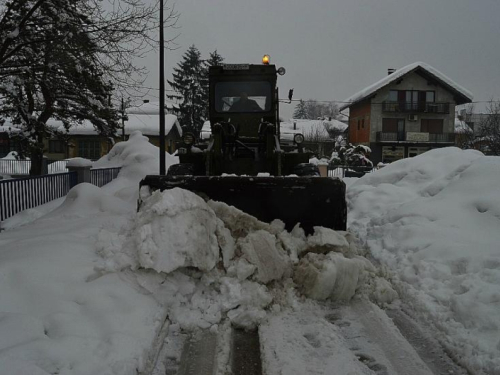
column 243, row 97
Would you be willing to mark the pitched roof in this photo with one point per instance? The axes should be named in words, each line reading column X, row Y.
column 465, row 95
column 147, row 124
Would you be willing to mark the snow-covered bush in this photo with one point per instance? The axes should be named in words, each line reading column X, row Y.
column 356, row 156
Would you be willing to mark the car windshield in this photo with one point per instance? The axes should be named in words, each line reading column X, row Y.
column 243, row 96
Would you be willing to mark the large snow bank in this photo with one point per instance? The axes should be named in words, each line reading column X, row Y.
column 88, row 287
column 218, row 263
column 434, row 220
column 60, row 312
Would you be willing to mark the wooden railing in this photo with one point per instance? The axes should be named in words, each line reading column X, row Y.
column 413, row 137
column 416, row 107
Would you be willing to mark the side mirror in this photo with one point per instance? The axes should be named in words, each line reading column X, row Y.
column 290, row 94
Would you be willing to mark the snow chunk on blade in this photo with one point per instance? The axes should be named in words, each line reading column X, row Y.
column 215, row 263
column 176, row 230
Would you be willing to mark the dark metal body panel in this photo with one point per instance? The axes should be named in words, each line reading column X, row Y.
column 310, row 201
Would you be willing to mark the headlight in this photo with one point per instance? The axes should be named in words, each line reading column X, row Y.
column 298, row 138
column 188, row 139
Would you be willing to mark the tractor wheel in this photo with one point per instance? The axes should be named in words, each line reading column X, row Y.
column 184, row 169
column 306, row 169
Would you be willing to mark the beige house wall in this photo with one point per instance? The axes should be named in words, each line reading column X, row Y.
column 411, row 81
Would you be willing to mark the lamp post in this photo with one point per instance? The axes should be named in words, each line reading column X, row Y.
column 162, row 95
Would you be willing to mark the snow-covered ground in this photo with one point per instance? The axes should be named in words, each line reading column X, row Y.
column 90, row 286
column 434, row 221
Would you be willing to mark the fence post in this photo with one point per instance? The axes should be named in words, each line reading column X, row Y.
column 82, row 169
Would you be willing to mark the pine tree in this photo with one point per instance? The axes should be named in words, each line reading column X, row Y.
column 300, row 111
column 190, row 81
column 61, row 76
column 214, row 60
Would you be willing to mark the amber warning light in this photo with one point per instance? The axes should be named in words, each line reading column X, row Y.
column 265, row 59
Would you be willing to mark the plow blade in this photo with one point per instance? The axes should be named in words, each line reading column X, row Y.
column 310, row 201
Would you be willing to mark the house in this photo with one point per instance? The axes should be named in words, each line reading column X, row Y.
column 83, row 140
column 320, row 136
column 406, row 113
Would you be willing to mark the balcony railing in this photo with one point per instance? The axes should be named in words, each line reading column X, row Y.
column 416, row 107
column 415, row 137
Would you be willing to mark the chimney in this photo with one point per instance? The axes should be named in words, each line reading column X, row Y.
column 390, row 71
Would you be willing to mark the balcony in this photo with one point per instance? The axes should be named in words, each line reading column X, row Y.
column 416, row 107
column 415, row 137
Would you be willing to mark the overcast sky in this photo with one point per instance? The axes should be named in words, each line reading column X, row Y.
column 332, row 49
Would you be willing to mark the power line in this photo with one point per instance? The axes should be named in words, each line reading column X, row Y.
column 353, row 102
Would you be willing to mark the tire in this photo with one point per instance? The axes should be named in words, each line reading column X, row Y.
column 306, row 169
column 184, row 169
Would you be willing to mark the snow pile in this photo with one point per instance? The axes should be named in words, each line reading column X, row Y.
column 167, row 238
column 434, row 220
column 79, row 162
column 59, row 312
column 57, row 315
column 216, row 262
column 91, row 287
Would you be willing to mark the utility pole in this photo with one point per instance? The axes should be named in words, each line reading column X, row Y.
column 123, row 120
column 162, row 95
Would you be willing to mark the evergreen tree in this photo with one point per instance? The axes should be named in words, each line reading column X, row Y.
column 190, row 81
column 214, row 60
column 300, row 111
column 61, row 76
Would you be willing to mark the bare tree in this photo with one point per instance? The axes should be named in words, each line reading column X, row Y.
column 316, row 110
column 489, row 130
column 72, row 56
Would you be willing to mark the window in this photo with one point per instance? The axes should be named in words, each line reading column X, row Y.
column 393, row 96
column 393, row 125
column 413, row 96
column 392, row 153
column 89, row 149
column 243, row 96
column 56, row 146
column 432, row 126
column 414, row 151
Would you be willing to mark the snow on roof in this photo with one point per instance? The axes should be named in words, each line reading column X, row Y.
column 144, row 118
column 310, row 127
column 147, row 124
column 400, row 73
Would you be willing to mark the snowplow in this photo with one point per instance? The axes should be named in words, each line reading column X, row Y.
column 245, row 164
